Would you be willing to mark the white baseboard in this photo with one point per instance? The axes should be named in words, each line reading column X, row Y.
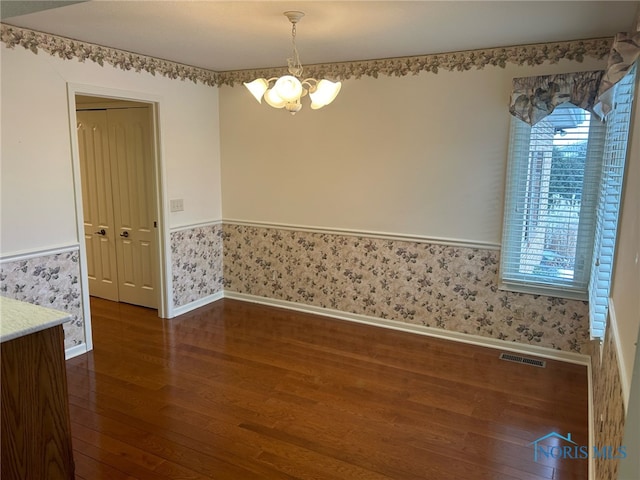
column 75, row 351
column 543, row 352
column 181, row 310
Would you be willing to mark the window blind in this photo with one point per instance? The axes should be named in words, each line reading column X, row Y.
column 610, row 194
column 550, row 202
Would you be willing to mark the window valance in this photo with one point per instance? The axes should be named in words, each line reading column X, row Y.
column 533, row 98
column 624, row 53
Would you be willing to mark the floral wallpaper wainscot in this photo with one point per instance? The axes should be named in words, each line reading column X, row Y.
column 608, row 405
column 196, row 258
column 51, row 281
column 448, row 287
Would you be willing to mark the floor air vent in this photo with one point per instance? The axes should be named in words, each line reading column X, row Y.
column 510, row 357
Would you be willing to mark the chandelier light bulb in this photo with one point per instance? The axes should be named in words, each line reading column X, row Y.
column 257, row 88
column 324, row 93
column 273, row 99
column 289, row 88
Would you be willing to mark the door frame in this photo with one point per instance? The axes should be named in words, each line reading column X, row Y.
column 159, row 174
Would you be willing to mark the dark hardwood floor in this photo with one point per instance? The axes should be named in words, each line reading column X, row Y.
column 241, row 391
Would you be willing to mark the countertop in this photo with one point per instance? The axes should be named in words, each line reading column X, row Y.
column 18, row 319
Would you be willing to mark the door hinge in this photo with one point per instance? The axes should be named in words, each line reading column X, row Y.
column 155, row 224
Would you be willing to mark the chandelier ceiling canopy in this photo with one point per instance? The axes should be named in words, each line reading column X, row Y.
column 286, row 91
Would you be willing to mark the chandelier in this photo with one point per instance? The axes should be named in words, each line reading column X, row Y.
column 286, row 91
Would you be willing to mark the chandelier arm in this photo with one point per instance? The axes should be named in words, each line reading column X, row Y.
column 310, row 85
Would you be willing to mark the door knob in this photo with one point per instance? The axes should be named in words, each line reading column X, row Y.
column 101, row 232
column 124, row 234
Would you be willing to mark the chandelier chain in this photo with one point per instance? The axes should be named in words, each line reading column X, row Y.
column 295, row 67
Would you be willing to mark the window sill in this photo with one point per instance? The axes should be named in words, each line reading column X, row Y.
column 544, row 290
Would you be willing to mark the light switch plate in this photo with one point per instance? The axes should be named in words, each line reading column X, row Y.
column 176, row 205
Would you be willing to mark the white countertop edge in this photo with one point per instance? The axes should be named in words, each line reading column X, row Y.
column 18, row 319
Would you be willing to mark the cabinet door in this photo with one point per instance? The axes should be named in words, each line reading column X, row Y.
column 35, row 429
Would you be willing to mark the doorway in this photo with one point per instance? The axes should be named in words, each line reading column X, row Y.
column 116, row 152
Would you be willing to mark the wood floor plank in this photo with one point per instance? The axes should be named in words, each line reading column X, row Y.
column 103, row 452
column 240, row 391
column 87, row 467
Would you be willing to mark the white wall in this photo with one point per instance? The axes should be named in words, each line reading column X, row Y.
column 38, row 209
column 625, row 292
column 418, row 155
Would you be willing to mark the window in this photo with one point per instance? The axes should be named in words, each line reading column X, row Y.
column 564, row 187
column 610, row 194
column 551, row 197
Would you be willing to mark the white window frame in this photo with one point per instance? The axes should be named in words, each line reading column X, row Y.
column 609, row 200
column 520, row 154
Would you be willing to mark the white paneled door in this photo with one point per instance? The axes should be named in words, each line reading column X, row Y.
column 99, row 232
column 116, row 162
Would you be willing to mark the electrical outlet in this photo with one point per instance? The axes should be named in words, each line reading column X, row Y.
column 176, row 205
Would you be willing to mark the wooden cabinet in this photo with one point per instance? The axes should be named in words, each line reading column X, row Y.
column 35, row 427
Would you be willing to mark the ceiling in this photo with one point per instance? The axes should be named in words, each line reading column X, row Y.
column 236, row 35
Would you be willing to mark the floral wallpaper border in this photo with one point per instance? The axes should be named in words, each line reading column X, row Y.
column 535, row 54
column 68, row 49
column 449, row 287
column 452, row 61
column 50, row 281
